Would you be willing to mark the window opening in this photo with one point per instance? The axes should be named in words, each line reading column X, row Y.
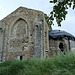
column 61, row 47
column 21, row 57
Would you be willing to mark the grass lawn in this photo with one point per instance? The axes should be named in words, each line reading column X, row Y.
column 57, row 65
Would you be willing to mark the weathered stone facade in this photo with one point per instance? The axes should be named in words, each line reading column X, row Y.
column 54, row 46
column 24, row 34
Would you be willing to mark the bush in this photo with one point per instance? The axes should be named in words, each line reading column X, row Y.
column 57, row 65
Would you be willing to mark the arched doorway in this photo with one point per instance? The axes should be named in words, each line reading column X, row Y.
column 61, row 47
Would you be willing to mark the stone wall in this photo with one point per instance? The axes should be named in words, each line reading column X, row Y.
column 26, row 31
column 54, row 47
column 72, row 45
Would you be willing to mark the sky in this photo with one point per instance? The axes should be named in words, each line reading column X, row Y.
column 8, row 6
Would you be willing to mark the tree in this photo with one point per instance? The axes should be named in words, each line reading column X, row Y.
column 59, row 11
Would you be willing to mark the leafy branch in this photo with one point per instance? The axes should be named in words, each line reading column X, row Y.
column 59, row 11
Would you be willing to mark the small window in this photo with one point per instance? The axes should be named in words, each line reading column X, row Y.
column 61, row 47
column 36, row 26
column 20, row 57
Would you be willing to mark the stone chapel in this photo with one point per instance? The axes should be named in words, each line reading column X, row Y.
column 23, row 34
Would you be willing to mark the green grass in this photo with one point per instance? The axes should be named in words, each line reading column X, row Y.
column 57, row 65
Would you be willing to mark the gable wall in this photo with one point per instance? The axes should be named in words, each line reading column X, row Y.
column 25, row 32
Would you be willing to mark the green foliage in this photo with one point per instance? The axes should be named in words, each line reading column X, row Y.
column 57, row 65
column 59, row 11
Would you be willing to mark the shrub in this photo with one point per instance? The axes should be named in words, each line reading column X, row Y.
column 57, row 65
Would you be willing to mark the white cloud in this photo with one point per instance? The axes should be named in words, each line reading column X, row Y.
column 8, row 6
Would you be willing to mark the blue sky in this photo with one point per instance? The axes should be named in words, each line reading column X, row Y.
column 8, row 6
